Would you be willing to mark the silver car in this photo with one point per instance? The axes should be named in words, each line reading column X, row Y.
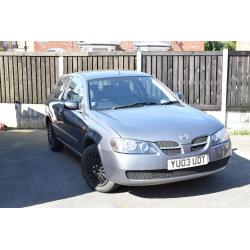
column 130, row 129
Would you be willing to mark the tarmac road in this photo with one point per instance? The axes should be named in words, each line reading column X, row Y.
column 32, row 175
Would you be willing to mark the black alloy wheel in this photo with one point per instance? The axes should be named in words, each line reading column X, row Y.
column 93, row 171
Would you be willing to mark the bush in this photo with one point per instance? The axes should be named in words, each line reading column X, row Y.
column 240, row 132
column 220, row 45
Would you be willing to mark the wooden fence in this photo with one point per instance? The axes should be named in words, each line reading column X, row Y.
column 238, row 91
column 99, row 61
column 29, row 77
column 198, row 75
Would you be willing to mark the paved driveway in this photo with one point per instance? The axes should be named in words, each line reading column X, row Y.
column 32, row 175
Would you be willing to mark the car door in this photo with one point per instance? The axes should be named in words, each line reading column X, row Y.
column 56, row 106
column 73, row 125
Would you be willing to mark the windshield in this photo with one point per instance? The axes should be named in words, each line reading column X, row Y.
column 124, row 92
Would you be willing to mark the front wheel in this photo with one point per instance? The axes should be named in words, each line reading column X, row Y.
column 93, row 171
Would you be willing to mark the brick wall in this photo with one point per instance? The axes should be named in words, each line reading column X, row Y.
column 188, row 46
column 175, row 45
column 68, row 46
column 71, row 46
column 127, row 45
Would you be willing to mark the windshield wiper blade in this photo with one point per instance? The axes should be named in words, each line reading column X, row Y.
column 137, row 104
column 169, row 102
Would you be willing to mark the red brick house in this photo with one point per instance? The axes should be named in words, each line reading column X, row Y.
column 67, row 46
column 167, row 45
column 71, row 46
column 188, row 46
column 77, row 46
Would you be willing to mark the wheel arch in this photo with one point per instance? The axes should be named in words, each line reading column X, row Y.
column 91, row 138
column 88, row 141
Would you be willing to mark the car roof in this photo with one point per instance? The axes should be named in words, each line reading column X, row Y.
column 91, row 75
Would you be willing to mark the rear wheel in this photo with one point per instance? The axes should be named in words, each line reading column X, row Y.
column 93, row 171
column 54, row 144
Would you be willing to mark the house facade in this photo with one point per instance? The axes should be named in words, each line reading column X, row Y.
column 62, row 46
column 91, row 46
column 242, row 45
column 163, row 45
column 188, row 45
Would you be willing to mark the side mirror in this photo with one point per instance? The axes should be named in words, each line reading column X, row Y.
column 180, row 96
column 72, row 105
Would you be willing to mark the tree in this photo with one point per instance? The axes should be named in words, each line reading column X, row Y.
column 220, row 45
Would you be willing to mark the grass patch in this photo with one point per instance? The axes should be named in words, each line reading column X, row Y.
column 240, row 132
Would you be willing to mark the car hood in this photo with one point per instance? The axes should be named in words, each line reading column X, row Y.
column 157, row 123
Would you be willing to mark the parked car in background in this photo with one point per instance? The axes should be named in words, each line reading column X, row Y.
column 130, row 129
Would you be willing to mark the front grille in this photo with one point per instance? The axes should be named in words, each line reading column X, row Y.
column 199, row 143
column 167, row 144
column 172, row 151
column 169, row 147
column 200, row 140
column 164, row 174
column 197, row 148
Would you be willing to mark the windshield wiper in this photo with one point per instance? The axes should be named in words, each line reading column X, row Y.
column 169, row 102
column 137, row 104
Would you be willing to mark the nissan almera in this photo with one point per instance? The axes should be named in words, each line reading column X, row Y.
column 130, row 129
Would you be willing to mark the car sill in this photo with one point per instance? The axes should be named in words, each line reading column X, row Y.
column 68, row 146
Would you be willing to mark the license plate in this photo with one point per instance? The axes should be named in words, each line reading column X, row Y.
column 187, row 162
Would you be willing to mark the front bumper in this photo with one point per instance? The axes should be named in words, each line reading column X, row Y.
column 141, row 170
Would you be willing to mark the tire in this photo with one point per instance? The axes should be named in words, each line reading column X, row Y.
column 54, row 144
column 93, row 171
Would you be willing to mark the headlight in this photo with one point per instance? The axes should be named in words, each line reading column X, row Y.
column 127, row 146
column 220, row 136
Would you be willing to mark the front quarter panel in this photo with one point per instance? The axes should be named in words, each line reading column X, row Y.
column 98, row 131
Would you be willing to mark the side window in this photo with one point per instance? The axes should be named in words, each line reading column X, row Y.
column 60, row 87
column 75, row 90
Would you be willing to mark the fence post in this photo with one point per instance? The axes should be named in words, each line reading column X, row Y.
column 138, row 61
column 60, row 66
column 224, row 87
